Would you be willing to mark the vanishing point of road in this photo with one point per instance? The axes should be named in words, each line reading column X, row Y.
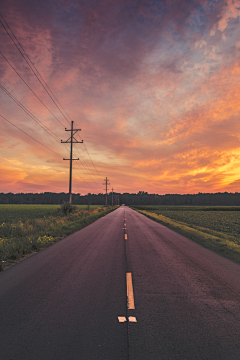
column 124, row 287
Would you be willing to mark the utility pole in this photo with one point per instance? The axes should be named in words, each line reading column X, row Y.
column 71, row 141
column 106, row 183
column 112, row 196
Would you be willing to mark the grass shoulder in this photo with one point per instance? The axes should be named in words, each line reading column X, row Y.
column 29, row 229
column 221, row 242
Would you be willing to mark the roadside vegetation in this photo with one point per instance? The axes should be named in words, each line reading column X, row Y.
column 25, row 229
column 215, row 227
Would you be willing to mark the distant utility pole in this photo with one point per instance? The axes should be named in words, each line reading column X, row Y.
column 112, row 196
column 71, row 141
column 106, row 183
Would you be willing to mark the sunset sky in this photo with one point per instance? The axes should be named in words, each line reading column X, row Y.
column 154, row 86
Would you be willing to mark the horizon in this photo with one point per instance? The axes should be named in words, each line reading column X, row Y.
column 153, row 86
column 109, row 193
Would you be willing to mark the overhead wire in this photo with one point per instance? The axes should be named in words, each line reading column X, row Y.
column 26, row 57
column 37, row 74
column 22, row 106
column 97, row 186
column 90, row 158
column 30, row 88
column 44, row 127
column 83, row 179
column 30, row 136
column 84, row 162
column 40, row 79
column 24, row 132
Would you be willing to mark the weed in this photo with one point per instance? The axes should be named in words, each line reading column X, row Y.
column 68, row 208
column 28, row 228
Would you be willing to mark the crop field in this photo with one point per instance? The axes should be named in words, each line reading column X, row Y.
column 15, row 212
column 29, row 228
column 217, row 228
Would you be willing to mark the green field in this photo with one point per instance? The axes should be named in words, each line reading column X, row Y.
column 29, row 228
column 25, row 212
column 215, row 227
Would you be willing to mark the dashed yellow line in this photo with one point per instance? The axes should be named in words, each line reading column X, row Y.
column 122, row 319
column 132, row 319
column 130, row 291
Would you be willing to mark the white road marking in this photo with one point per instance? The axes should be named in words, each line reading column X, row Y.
column 130, row 291
column 132, row 319
column 122, row 319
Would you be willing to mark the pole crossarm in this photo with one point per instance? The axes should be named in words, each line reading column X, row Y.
column 70, row 159
column 73, row 130
column 73, row 142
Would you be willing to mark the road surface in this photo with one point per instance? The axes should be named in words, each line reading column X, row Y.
column 124, row 287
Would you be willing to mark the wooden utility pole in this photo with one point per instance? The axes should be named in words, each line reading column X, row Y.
column 71, row 141
column 106, row 183
column 112, row 196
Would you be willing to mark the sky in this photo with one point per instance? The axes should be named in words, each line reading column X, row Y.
column 154, row 87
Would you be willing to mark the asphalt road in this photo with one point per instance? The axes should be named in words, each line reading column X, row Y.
column 63, row 303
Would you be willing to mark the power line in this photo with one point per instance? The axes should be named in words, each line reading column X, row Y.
column 30, row 88
column 88, row 174
column 44, row 127
column 89, row 169
column 31, row 115
column 91, row 160
column 34, row 118
column 38, row 76
column 23, row 107
column 30, row 63
column 83, row 179
column 85, row 168
column 85, row 173
column 29, row 135
column 90, row 157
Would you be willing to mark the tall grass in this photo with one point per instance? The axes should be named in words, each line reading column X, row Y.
column 21, row 235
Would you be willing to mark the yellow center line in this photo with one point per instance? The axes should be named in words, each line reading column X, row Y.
column 132, row 319
column 130, row 291
column 122, row 319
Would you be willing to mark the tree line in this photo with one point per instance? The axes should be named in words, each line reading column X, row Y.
column 140, row 198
